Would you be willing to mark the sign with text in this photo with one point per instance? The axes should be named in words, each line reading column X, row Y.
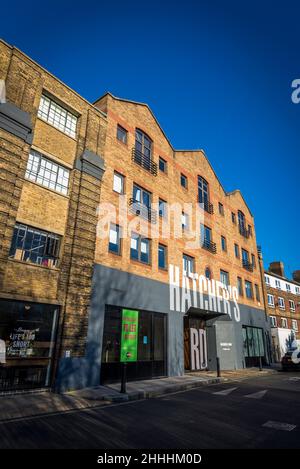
column 129, row 335
column 198, row 349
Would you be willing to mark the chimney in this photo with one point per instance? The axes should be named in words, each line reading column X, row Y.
column 296, row 276
column 277, row 268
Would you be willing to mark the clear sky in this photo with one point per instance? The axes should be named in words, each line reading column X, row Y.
column 217, row 74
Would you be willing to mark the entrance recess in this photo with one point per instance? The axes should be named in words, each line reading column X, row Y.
column 195, row 340
column 151, row 346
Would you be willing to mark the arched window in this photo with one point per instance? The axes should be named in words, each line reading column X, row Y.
column 143, row 144
column 207, row 273
column 203, row 193
column 241, row 219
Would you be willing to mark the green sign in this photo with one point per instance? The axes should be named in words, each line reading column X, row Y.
column 129, row 335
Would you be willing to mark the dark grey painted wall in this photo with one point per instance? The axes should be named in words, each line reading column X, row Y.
column 113, row 287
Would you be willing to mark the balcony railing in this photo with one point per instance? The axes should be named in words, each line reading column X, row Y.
column 244, row 232
column 144, row 161
column 142, row 210
column 247, row 265
column 207, row 206
column 209, row 245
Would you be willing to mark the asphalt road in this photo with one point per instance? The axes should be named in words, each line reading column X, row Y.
column 235, row 417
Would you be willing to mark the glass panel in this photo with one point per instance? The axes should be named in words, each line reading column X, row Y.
column 158, row 337
column 162, row 257
column 111, row 335
column 145, row 336
column 145, row 250
column 245, row 342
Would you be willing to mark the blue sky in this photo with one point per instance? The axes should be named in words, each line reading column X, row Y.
column 216, row 74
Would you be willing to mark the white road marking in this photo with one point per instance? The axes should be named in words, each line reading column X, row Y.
column 279, row 426
column 225, row 392
column 257, row 395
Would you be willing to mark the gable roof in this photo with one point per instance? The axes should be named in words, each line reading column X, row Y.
column 236, row 191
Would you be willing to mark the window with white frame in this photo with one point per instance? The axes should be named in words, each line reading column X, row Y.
column 281, row 303
column 118, row 183
column 297, row 290
column 277, row 284
column 47, row 173
column 271, row 300
column 288, row 287
column 56, row 115
column 292, row 305
column 294, row 325
column 267, row 280
column 284, row 323
column 273, row 321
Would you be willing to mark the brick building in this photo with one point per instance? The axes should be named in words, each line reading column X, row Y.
column 283, row 305
column 51, row 166
column 108, row 234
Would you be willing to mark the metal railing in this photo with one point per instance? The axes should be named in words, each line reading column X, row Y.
column 207, row 206
column 247, row 265
column 144, row 161
column 209, row 245
column 243, row 231
column 142, row 210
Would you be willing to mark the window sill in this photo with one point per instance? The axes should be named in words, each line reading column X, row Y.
column 31, row 264
column 140, row 263
column 119, row 254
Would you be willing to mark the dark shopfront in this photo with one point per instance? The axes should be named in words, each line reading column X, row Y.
column 27, row 335
column 150, row 359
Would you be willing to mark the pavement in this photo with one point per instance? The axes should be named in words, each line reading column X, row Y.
column 261, row 411
column 19, row 406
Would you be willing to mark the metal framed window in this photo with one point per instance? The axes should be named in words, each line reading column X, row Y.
column 223, row 243
column 188, row 264
column 248, row 289
column 236, row 251
column 292, row 305
column 284, row 323
column 183, row 181
column 224, row 278
column 162, row 165
column 121, row 134
column 118, row 183
column 56, row 115
column 34, row 245
column 162, row 208
column 271, row 300
column 140, row 248
column 114, row 244
column 143, row 144
column 162, row 256
column 47, row 173
column 273, row 321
